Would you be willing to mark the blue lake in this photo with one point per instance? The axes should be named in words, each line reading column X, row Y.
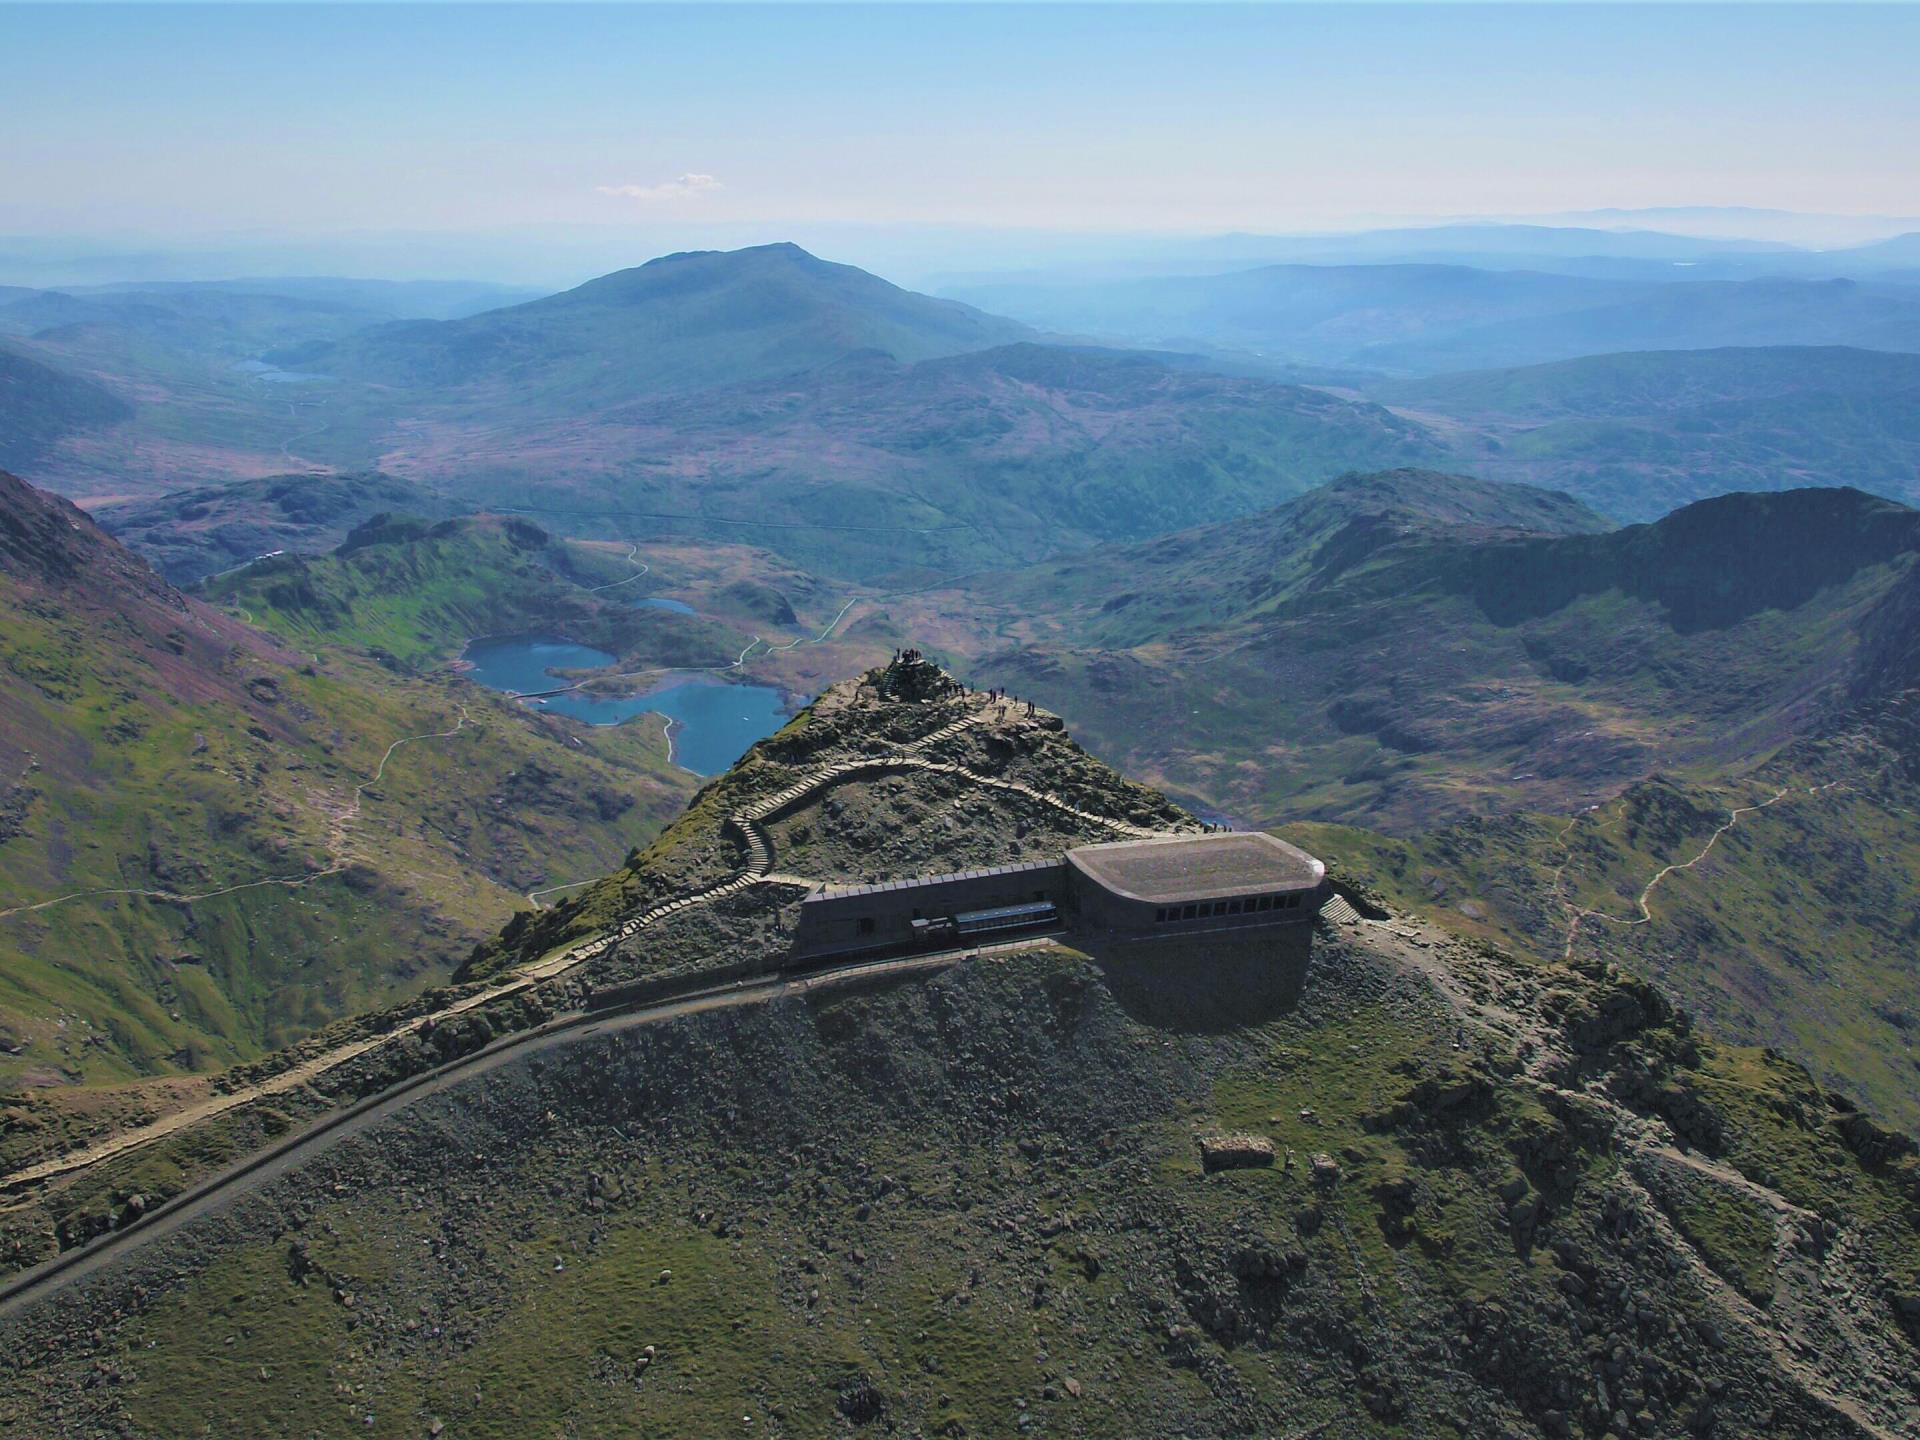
column 274, row 375
column 661, row 602
column 716, row 722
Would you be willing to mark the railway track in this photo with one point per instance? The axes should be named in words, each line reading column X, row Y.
column 263, row 1166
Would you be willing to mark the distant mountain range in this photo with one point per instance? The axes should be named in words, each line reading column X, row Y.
column 862, row 430
column 1638, row 434
column 1428, row 319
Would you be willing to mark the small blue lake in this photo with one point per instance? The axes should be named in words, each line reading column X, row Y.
column 661, row 602
column 274, row 375
column 716, row 722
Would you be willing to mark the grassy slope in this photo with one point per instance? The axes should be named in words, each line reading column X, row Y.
column 413, row 594
column 1795, row 930
column 410, row 591
column 150, row 744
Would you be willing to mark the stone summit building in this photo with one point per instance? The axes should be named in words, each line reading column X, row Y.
column 1166, row 887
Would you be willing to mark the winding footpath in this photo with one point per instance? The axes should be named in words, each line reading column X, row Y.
column 263, row 1166
column 1819, row 1282
column 1579, row 914
column 342, row 844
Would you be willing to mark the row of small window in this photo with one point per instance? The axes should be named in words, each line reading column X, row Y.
column 1228, row 907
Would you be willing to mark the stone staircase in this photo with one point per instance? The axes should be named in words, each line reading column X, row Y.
column 1338, row 911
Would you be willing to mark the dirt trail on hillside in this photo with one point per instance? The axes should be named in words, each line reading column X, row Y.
column 1819, row 1285
column 339, row 841
column 1579, row 914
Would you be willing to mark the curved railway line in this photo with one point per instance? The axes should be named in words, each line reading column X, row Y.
column 263, row 1166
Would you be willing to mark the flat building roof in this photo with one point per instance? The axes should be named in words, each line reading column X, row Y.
column 1197, row 867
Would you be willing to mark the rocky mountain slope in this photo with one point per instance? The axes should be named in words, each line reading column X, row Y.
column 1404, row 649
column 1779, row 905
column 188, row 535
column 1508, row 1194
column 212, row 844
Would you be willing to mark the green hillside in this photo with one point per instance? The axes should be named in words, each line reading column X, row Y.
column 1385, row 663
column 1794, row 927
column 211, row 845
column 412, row 594
column 874, row 468
column 188, row 535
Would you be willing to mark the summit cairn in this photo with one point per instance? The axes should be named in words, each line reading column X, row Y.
column 911, row 677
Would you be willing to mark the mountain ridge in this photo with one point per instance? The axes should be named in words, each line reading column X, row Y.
column 679, row 323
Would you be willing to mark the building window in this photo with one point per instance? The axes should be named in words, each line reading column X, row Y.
column 866, row 925
column 1188, row 913
column 1233, row 907
column 1266, row 902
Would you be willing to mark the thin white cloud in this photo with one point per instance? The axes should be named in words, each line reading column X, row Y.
column 687, row 187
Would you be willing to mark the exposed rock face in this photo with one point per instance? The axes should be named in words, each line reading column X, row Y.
column 1236, row 1152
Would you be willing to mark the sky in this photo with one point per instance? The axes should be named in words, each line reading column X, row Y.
column 173, row 122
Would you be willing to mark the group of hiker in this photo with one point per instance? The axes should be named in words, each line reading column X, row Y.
column 1001, row 698
column 949, row 686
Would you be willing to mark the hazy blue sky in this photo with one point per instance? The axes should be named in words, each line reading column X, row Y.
column 190, row 120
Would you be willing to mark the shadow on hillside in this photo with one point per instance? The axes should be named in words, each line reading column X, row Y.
column 1205, row 986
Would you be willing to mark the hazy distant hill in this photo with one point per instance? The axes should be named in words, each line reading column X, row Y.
column 393, row 299
column 1423, row 319
column 1646, row 382
column 875, row 467
column 1637, row 434
column 680, row 323
column 40, row 404
column 187, row 320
